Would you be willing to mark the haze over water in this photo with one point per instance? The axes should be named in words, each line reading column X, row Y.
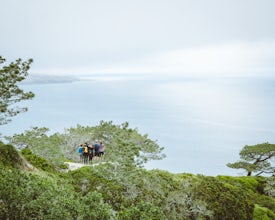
column 203, row 122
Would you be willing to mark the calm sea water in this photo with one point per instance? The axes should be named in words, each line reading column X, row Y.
column 203, row 123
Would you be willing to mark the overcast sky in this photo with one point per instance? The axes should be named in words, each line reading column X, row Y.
column 140, row 36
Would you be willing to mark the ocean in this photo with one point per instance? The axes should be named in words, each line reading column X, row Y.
column 202, row 122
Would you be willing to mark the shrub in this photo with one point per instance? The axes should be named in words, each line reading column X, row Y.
column 142, row 210
column 261, row 213
column 226, row 201
column 254, row 184
column 38, row 162
column 28, row 196
column 9, row 156
column 264, row 201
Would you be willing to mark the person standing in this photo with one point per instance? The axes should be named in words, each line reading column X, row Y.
column 91, row 153
column 80, row 152
column 101, row 149
column 85, row 153
column 96, row 146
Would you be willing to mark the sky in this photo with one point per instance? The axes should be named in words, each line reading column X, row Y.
column 214, row 37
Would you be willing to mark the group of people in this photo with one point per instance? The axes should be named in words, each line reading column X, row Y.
column 88, row 152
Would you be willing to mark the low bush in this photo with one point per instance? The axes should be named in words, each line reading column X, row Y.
column 9, row 156
column 262, row 213
column 38, row 162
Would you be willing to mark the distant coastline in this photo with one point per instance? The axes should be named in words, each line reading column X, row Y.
column 50, row 79
column 65, row 78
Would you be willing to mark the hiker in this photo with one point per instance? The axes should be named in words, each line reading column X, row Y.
column 96, row 146
column 90, row 153
column 80, row 152
column 101, row 149
column 85, row 153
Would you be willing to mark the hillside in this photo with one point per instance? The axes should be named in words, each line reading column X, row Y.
column 44, row 191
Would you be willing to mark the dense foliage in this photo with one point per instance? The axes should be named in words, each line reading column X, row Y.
column 262, row 213
column 114, row 191
column 9, row 156
column 29, row 196
column 38, row 162
column 123, row 144
column 10, row 93
column 39, row 143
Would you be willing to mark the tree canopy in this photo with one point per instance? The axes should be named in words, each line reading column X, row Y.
column 124, row 145
column 118, row 187
column 256, row 159
column 10, row 93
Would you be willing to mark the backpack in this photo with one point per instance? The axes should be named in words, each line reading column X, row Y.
column 85, row 149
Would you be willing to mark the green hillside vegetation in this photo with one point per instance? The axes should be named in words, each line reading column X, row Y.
column 35, row 182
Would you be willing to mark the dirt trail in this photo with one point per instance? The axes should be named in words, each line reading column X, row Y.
column 75, row 166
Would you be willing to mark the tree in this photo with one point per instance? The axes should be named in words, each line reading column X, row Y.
column 40, row 144
column 256, row 159
column 10, row 93
column 123, row 145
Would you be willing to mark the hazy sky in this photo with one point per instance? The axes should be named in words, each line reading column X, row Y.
column 140, row 36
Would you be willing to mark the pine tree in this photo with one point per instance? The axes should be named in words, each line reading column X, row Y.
column 10, row 93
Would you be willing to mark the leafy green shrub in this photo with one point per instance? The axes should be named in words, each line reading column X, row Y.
column 13, row 193
column 9, row 156
column 27, row 196
column 254, row 186
column 93, row 207
column 226, row 201
column 261, row 213
column 265, row 201
column 142, row 210
column 245, row 182
column 90, row 179
column 38, row 162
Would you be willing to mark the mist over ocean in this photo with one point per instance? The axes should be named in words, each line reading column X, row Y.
column 202, row 122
